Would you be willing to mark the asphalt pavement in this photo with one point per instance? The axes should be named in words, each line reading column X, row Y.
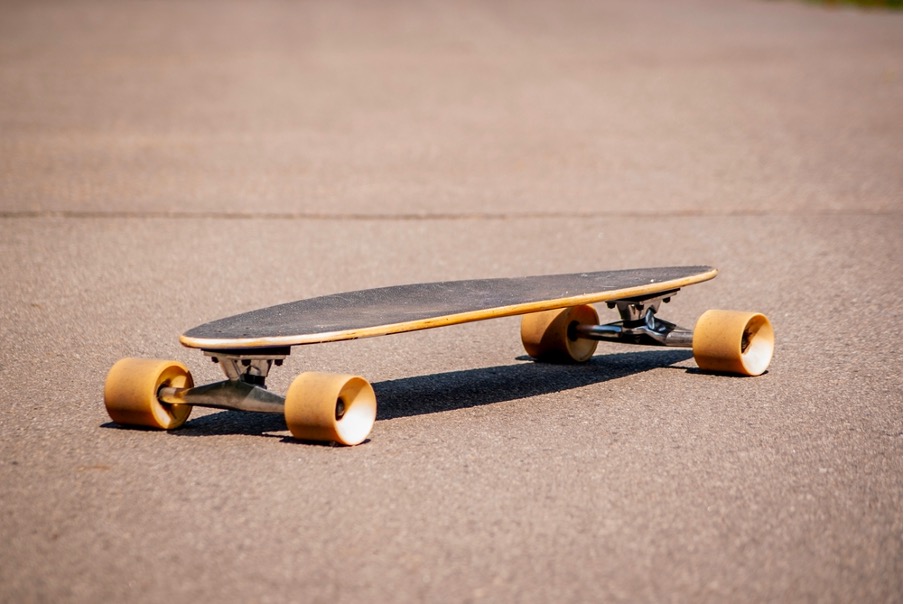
column 166, row 164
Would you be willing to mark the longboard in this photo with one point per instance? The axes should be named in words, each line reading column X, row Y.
column 401, row 308
column 559, row 324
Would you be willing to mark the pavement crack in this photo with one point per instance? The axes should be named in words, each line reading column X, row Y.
column 421, row 216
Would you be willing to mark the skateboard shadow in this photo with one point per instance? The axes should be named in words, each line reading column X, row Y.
column 219, row 423
column 435, row 393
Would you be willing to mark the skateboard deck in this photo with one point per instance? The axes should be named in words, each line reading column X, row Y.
column 559, row 323
column 401, row 308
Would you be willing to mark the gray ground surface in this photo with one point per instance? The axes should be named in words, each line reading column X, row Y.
column 164, row 164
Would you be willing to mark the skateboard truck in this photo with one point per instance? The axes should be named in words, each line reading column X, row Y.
column 639, row 324
column 249, row 366
column 243, row 390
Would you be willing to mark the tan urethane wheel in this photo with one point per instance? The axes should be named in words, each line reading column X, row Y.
column 546, row 335
column 130, row 393
column 730, row 341
column 330, row 408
